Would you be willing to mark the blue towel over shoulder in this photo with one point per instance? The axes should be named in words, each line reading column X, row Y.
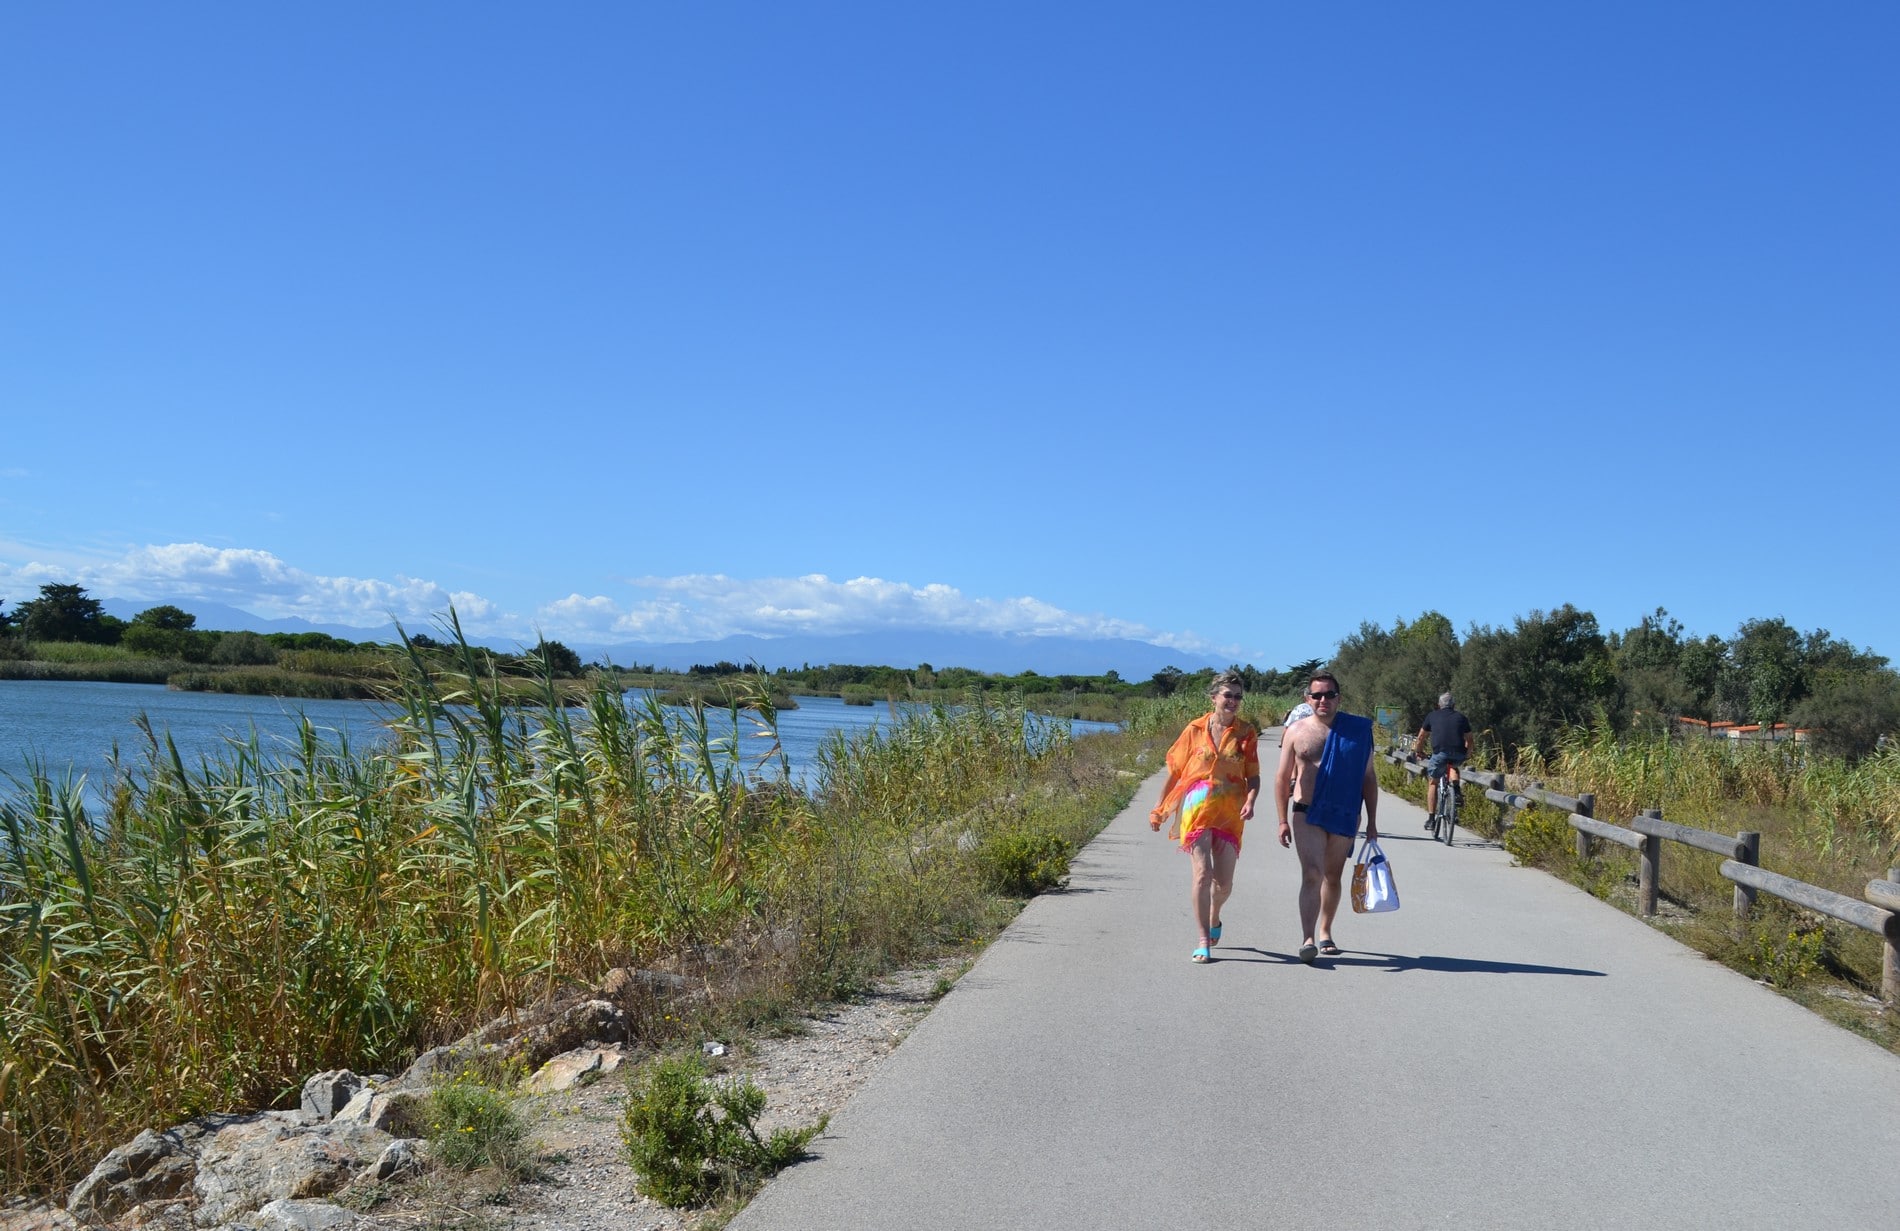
column 1337, row 795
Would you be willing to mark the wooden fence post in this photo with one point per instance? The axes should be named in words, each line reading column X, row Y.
column 1890, row 960
column 1748, row 851
column 1586, row 806
column 1649, row 875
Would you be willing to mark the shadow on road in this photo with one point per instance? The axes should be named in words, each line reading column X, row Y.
column 1399, row 963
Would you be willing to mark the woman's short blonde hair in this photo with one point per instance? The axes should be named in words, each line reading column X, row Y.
column 1226, row 679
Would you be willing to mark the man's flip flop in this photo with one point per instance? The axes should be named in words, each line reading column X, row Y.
column 1213, row 935
column 1200, row 956
column 1308, row 952
column 1328, row 948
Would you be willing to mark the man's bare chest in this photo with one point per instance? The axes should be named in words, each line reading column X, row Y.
column 1307, row 746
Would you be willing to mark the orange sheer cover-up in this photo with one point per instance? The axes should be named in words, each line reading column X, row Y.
column 1207, row 785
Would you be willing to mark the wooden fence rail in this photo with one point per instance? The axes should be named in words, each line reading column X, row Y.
column 1878, row 913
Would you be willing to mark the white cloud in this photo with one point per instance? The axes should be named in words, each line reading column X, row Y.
column 255, row 581
column 707, row 606
column 693, row 607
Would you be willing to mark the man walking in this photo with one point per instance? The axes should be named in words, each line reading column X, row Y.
column 1449, row 733
column 1325, row 777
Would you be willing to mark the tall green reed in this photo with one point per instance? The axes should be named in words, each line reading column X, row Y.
column 1833, row 809
column 225, row 927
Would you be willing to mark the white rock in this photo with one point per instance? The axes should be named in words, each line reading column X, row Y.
column 302, row 1216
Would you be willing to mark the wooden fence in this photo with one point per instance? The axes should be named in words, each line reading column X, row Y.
column 1646, row 833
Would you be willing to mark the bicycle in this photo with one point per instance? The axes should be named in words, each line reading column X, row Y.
column 1443, row 821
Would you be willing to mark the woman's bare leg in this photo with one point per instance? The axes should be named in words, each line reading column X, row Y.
column 1226, row 857
column 1201, row 890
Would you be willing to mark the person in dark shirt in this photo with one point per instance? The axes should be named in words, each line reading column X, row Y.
column 1449, row 734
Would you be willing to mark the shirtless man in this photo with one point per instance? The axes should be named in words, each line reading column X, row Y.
column 1322, row 850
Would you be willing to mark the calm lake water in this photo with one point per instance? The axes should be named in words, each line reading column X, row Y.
column 76, row 725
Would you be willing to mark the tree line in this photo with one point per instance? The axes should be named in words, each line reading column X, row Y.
column 66, row 613
column 1525, row 683
column 1522, row 684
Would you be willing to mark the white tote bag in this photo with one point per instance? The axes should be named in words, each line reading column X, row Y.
column 1373, row 889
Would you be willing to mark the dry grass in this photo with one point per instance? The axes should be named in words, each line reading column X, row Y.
column 1821, row 820
column 227, row 929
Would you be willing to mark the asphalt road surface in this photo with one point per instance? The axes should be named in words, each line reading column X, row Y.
column 1503, row 1051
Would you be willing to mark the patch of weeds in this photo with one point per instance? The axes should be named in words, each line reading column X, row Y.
column 1541, row 838
column 947, row 982
column 436, row 1200
column 692, row 1139
column 1597, row 877
column 1786, row 954
column 1024, row 862
column 362, row 1197
column 473, row 1125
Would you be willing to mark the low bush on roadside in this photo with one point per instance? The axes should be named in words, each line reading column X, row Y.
column 692, row 1138
column 1024, row 862
column 1785, row 953
column 472, row 1125
column 1541, row 838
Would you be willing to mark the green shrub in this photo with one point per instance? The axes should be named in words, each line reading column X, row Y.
column 691, row 1138
column 472, row 1125
column 1540, row 838
column 243, row 649
column 1024, row 862
column 1786, row 954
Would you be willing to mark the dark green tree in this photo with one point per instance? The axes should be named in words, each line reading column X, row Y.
column 243, row 648
column 12, row 645
column 562, row 662
column 1526, row 684
column 1363, row 660
column 1848, row 713
column 161, row 631
column 67, row 613
column 1406, row 668
column 1652, row 684
column 1765, row 677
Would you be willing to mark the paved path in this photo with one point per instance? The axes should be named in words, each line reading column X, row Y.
column 1504, row 1051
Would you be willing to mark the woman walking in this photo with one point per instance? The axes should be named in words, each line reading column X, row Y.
column 1213, row 781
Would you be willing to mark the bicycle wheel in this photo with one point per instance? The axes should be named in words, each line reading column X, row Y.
column 1448, row 807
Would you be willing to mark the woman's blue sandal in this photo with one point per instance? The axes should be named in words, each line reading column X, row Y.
column 1213, row 935
column 1200, row 956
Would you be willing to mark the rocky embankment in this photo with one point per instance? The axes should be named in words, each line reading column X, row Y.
column 353, row 1156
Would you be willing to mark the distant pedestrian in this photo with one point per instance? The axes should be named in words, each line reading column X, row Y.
column 1325, row 777
column 1213, row 782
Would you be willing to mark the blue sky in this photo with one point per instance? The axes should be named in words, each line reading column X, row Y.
column 659, row 322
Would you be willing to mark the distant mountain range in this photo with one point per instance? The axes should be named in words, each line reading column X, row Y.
column 1002, row 653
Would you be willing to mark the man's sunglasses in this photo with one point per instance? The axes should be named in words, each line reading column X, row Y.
column 1322, row 696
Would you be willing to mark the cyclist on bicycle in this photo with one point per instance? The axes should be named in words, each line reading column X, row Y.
column 1449, row 733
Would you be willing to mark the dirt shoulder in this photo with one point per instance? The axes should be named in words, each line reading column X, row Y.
column 585, row 1182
